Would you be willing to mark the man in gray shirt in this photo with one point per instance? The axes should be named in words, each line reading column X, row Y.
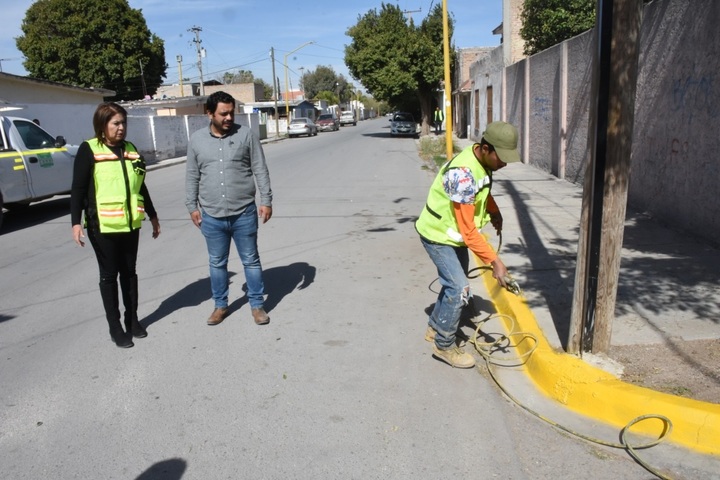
column 224, row 164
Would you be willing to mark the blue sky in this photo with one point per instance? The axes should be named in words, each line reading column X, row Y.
column 238, row 34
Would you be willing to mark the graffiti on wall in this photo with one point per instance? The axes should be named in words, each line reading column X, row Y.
column 542, row 108
column 695, row 96
column 672, row 148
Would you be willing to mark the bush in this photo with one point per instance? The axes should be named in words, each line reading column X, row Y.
column 433, row 149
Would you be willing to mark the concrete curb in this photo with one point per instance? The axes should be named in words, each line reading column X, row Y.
column 597, row 394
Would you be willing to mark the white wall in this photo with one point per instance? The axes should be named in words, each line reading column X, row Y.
column 160, row 138
column 72, row 121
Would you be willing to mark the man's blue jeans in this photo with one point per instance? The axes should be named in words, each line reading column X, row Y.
column 454, row 291
column 242, row 229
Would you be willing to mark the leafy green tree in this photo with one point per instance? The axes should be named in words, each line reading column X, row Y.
column 324, row 79
column 88, row 43
column 242, row 76
column 397, row 62
column 267, row 88
column 330, row 97
column 548, row 22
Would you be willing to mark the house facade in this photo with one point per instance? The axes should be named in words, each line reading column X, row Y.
column 61, row 109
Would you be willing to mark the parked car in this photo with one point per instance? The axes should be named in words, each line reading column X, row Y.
column 34, row 165
column 328, row 122
column 403, row 123
column 347, row 117
column 302, row 126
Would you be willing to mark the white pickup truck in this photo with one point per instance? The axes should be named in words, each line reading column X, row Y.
column 33, row 165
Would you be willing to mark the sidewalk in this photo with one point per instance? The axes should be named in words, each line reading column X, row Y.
column 667, row 296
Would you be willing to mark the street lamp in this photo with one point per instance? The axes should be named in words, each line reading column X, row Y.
column 287, row 103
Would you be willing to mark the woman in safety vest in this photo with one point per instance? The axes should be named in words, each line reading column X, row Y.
column 109, row 186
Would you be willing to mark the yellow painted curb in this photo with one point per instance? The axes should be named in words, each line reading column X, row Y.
column 595, row 393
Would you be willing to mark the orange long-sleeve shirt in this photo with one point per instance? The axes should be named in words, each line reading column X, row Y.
column 475, row 241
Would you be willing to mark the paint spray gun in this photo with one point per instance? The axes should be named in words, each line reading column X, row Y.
column 511, row 285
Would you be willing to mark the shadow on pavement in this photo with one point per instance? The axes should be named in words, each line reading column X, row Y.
column 279, row 283
column 19, row 218
column 282, row 281
column 190, row 295
column 172, row 469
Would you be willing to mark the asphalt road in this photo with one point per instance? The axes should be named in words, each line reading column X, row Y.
column 340, row 384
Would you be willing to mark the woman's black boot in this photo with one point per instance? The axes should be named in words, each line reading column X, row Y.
column 109, row 294
column 129, row 287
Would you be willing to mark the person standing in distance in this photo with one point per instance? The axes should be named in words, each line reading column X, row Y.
column 458, row 206
column 225, row 168
column 438, row 118
column 109, row 185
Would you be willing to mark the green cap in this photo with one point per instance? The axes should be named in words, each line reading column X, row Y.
column 504, row 138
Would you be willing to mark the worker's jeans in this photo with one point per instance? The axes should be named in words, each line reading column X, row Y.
column 242, row 229
column 453, row 295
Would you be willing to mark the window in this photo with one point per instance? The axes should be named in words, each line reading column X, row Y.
column 33, row 136
column 489, row 99
column 476, row 110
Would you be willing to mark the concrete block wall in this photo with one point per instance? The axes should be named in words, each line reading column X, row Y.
column 160, row 138
column 674, row 163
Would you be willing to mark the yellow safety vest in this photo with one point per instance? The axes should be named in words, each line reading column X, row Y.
column 120, row 207
column 437, row 222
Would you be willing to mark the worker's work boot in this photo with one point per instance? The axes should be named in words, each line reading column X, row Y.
column 454, row 356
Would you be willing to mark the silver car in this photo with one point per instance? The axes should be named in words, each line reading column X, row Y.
column 302, row 126
column 403, row 123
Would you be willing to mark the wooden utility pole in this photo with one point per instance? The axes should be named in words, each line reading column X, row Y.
column 615, row 66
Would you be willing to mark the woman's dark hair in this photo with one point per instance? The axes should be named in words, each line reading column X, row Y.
column 103, row 114
column 219, row 97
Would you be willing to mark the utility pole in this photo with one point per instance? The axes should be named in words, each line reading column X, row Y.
column 6, row 60
column 607, row 176
column 411, row 12
column 179, row 60
column 275, row 93
column 197, row 41
column 448, row 90
column 142, row 79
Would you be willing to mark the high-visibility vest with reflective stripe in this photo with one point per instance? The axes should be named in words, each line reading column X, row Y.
column 120, row 207
column 437, row 221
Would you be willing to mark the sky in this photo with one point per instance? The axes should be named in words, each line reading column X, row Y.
column 238, row 34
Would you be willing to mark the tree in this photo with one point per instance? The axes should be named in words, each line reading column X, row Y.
column 548, row 22
column 242, row 76
column 324, row 79
column 397, row 62
column 95, row 44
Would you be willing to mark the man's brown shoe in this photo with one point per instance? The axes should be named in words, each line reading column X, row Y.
column 217, row 316
column 260, row 317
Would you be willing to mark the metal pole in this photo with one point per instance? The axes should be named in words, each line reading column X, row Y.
column 196, row 31
column 179, row 60
column 287, row 103
column 448, row 86
column 275, row 89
